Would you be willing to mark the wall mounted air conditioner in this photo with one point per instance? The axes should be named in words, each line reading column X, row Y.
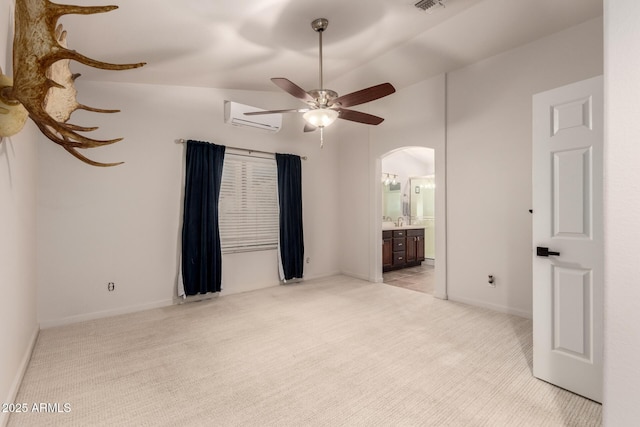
column 234, row 115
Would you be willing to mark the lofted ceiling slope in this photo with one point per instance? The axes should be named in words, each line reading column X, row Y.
column 241, row 44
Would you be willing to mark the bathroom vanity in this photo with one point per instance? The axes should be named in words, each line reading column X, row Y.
column 402, row 247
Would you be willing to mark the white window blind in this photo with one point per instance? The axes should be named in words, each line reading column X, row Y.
column 248, row 205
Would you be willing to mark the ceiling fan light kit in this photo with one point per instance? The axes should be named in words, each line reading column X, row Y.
column 322, row 117
column 324, row 105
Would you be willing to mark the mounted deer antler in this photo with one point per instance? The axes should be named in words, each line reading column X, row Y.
column 43, row 82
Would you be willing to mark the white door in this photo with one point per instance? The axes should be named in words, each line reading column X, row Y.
column 568, row 237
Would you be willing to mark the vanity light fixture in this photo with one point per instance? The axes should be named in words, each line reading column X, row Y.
column 387, row 178
column 430, row 184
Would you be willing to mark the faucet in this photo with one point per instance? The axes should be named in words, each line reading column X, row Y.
column 400, row 222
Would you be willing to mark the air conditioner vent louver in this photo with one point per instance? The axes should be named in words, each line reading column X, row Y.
column 428, row 4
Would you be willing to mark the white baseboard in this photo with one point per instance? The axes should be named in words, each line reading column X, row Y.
column 45, row 324
column 17, row 381
column 356, row 276
column 320, row 276
column 494, row 307
column 51, row 323
column 440, row 296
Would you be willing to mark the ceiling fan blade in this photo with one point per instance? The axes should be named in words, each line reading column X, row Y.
column 365, row 95
column 309, row 128
column 357, row 116
column 292, row 89
column 258, row 113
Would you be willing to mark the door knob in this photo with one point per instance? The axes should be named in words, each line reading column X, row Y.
column 541, row 251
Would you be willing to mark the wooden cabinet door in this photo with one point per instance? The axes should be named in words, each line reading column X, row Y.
column 415, row 245
column 411, row 249
column 420, row 248
column 387, row 252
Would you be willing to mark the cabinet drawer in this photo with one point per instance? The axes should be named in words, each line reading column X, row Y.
column 399, row 244
column 398, row 258
column 416, row 232
column 399, row 233
column 387, row 234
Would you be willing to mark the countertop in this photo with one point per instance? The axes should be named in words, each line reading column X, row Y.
column 404, row 227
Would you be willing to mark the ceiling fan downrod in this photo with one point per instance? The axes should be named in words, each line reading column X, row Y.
column 319, row 25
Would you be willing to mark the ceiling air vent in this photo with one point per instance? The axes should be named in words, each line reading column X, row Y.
column 428, row 4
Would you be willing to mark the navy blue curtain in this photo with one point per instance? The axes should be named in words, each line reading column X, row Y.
column 290, row 199
column 201, row 255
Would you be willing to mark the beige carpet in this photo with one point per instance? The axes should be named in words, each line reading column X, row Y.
column 332, row 352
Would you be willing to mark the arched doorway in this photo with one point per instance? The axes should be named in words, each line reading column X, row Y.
column 409, row 164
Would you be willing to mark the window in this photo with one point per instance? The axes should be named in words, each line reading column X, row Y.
column 248, row 206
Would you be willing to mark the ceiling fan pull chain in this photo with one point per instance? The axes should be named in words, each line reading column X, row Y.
column 322, row 137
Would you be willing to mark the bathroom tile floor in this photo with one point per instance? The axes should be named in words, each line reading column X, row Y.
column 420, row 278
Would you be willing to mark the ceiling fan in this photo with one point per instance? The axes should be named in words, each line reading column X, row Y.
column 324, row 105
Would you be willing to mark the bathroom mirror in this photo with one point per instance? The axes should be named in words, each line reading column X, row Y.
column 392, row 200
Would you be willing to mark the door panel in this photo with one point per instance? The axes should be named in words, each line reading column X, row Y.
column 572, row 114
column 572, row 323
column 567, row 219
column 571, row 193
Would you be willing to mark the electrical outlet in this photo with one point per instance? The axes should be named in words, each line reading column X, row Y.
column 111, row 286
column 492, row 281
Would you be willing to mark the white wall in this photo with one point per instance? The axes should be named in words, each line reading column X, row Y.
column 489, row 162
column 414, row 117
column 122, row 224
column 354, row 197
column 18, row 178
column 622, row 210
column 403, row 161
column 18, row 317
column 405, row 165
